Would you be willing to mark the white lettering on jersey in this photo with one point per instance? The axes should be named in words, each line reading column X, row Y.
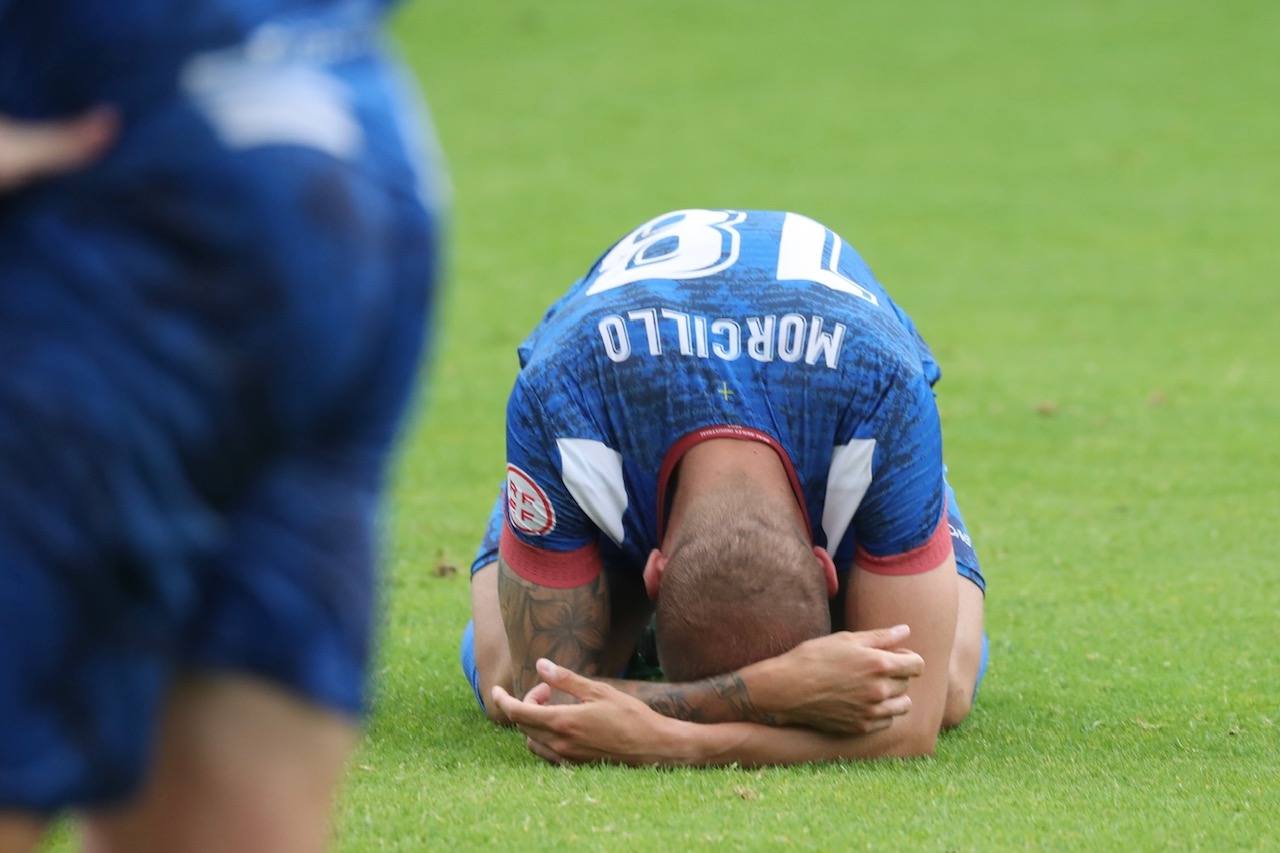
column 528, row 506
column 650, row 318
column 800, row 250
column 683, row 244
column 731, row 347
column 760, row 337
column 682, row 329
column 823, row 344
column 700, row 336
column 613, row 331
column 792, row 338
column 692, row 244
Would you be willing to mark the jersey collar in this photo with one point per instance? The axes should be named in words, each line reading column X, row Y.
column 692, row 439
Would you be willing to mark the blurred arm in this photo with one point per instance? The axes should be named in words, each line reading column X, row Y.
column 32, row 150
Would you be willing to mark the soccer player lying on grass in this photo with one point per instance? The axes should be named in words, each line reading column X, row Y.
column 729, row 416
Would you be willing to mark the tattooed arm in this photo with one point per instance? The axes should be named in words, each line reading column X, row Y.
column 610, row 726
column 721, row 699
column 573, row 627
column 568, row 625
column 845, row 683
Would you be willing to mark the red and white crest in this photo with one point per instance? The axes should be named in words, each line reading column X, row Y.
column 528, row 507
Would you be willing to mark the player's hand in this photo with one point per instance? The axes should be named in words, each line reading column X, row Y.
column 844, row 683
column 30, row 150
column 606, row 724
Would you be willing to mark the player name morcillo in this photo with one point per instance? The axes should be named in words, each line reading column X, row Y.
column 662, row 331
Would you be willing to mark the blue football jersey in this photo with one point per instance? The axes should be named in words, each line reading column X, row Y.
column 59, row 56
column 701, row 324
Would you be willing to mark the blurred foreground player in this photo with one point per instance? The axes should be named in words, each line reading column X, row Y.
column 213, row 301
column 729, row 416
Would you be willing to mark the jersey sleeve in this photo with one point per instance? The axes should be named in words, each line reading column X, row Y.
column 547, row 538
column 901, row 524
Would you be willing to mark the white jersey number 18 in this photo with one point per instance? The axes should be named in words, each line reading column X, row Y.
column 691, row 244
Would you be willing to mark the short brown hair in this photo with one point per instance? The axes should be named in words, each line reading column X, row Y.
column 741, row 584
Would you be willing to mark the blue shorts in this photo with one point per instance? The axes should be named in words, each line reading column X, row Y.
column 962, row 544
column 208, row 342
column 966, row 565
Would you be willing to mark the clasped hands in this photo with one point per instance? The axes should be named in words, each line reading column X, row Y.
column 846, row 683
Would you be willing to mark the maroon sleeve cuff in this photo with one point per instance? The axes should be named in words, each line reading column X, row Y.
column 919, row 559
column 556, row 569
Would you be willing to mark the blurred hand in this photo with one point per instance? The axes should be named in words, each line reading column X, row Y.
column 844, row 683
column 30, row 150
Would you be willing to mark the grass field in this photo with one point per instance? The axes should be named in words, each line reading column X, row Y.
column 1079, row 204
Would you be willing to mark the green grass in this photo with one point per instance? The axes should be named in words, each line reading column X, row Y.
column 1078, row 203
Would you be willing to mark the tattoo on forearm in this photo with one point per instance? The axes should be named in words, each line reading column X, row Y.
column 568, row 626
column 722, row 699
column 733, row 691
column 671, row 701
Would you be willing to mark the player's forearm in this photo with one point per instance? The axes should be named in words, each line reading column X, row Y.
column 722, row 699
column 568, row 626
column 841, row 683
column 755, row 745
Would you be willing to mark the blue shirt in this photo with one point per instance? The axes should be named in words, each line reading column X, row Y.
column 60, row 56
column 703, row 324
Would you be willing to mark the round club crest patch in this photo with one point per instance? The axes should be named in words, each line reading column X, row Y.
column 528, row 507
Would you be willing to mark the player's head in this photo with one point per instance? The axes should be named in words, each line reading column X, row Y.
column 740, row 582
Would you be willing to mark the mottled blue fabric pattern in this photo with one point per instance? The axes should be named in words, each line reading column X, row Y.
column 750, row 318
column 58, row 56
column 208, row 341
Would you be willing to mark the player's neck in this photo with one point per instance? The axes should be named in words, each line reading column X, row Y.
column 730, row 463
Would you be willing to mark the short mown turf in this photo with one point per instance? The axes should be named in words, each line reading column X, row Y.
column 1080, row 205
